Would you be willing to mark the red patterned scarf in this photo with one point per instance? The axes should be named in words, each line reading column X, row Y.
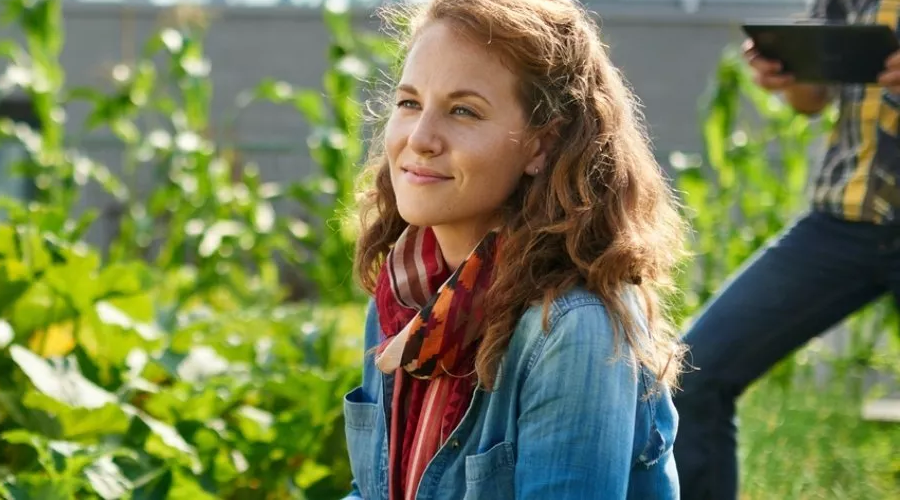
column 431, row 319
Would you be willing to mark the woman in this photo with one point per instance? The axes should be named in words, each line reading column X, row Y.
column 514, row 239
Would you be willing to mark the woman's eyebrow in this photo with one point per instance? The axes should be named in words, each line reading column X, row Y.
column 456, row 94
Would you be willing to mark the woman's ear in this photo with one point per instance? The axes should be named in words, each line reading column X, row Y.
column 539, row 147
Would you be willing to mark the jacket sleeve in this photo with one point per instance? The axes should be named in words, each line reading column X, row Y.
column 577, row 412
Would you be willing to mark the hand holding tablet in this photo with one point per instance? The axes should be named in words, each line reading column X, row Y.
column 768, row 73
column 890, row 77
column 823, row 53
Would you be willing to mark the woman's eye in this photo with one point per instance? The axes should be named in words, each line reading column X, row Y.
column 406, row 103
column 462, row 111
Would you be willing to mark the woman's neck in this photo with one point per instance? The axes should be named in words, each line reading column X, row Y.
column 458, row 241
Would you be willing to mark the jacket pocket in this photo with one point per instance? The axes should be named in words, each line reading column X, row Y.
column 360, row 417
column 491, row 474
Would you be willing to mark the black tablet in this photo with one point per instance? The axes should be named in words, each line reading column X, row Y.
column 825, row 53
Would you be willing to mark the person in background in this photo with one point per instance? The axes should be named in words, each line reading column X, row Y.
column 514, row 233
column 839, row 256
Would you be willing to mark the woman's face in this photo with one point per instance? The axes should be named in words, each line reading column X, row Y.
column 456, row 140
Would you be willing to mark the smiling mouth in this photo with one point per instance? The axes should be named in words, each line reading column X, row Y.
column 420, row 177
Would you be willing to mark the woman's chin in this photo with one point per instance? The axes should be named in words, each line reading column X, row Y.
column 419, row 219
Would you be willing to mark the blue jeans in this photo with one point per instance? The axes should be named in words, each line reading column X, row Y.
column 819, row 271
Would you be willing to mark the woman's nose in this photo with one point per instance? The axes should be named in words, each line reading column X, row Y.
column 425, row 138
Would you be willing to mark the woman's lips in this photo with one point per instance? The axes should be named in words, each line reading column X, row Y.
column 421, row 176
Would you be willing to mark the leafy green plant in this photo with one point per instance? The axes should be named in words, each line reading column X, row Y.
column 215, row 401
column 337, row 120
column 749, row 184
column 205, row 208
column 171, row 365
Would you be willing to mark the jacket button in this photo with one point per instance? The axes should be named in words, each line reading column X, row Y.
column 454, row 443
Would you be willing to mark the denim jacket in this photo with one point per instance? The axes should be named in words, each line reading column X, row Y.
column 570, row 418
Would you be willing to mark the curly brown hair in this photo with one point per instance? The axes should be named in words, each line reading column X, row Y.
column 602, row 217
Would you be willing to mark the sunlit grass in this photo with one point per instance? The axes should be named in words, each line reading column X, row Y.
column 809, row 442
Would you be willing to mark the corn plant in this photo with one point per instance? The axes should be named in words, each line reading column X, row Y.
column 169, row 365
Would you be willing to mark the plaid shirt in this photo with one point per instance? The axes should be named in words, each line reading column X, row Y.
column 859, row 178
